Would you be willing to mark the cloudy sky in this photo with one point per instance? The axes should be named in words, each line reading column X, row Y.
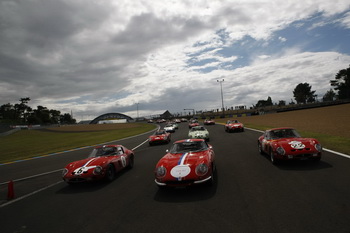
column 99, row 56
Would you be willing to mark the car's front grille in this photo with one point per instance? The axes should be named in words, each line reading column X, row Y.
column 303, row 156
column 307, row 148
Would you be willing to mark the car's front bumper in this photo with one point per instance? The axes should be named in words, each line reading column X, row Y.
column 182, row 183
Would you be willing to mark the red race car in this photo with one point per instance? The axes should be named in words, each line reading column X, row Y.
column 160, row 136
column 209, row 122
column 102, row 163
column 188, row 162
column 234, row 125
column 193, row 123
column 287, row 144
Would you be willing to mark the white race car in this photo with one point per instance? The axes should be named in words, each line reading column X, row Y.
column 169, row 128
column 199, row 132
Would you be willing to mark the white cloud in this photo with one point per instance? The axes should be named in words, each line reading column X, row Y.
column 282, row 39
column 100, row 56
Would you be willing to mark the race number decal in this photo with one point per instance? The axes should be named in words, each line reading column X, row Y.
column 81, row 170
column 123, row 161
column 297, row 145
column 180, row 171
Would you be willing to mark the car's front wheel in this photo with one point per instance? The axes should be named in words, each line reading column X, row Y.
column 212, row 180
column 273, row 158
column 260, row 148
column 131, row 162
column 110, row 175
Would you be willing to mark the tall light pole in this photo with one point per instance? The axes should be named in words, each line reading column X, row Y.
column 222, row 96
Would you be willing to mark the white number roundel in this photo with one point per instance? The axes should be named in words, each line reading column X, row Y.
column 123, row 161
column 297, row 145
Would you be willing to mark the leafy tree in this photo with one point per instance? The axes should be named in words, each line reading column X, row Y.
column 302, row 93
column 341, row 83
column 329, row 96
column 55, row 116
column 7, row 112
column 43, row 114
column 264, row 103
column 281, row 103
column 67, row 119
column 21, row 113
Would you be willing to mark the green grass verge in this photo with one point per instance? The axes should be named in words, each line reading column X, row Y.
column 26, row 144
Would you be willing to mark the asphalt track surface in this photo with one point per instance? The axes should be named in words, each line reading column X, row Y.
column 250, row 195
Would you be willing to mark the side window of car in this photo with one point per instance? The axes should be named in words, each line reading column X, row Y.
column 120, row 151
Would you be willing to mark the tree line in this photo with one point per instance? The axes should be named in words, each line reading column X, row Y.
column 303, row 94
column 21, row 113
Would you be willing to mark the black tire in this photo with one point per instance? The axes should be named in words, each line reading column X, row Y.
column 260, row 148
column 273, row 160
column 212, row 180
column 110, row 173
column 131, row 162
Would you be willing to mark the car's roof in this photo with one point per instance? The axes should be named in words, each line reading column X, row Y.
column 97, row 147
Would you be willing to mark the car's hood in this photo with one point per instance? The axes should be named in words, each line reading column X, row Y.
column 90, row 162
column 188, row 158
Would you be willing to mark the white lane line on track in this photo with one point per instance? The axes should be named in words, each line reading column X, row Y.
column 51, row 185
column 29, row 194
column 33, row 176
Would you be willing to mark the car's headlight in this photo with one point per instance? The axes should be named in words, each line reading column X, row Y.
column 160, row 171
column 318, row 147
column 97, row 170
column 64, row 172
column 280, row 150
column 201, row 169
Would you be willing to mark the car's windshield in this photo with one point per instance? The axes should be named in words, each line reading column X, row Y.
column 197, row 129
column 284, row 133
column 159, row 133
column 189, row 146
column 232, row 122
column 103, row 151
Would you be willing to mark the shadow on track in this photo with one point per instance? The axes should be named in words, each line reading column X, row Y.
column 300, row 165
column 91, row 186
column 303, row 165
